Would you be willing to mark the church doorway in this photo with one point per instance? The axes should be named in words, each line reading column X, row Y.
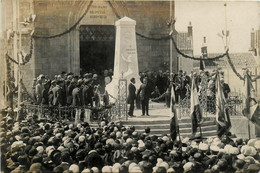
column 97, row 48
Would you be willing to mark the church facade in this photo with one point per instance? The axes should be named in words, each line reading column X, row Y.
column 79, row 36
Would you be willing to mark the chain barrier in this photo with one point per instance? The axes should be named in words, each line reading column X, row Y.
column 70, row 29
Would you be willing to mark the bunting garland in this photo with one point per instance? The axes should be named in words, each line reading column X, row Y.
column 70, row 29
column 233, row 68
column 27, row 58
column 197, row 59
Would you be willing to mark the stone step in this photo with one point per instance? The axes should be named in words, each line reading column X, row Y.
column 207, row 131
column 160, row 127
column 188, row 119
column 203, row 129
column 152, row 126
column 204, row 134
column 205, row 123
column 147, row 122
column 164, row 121
column 209, row 126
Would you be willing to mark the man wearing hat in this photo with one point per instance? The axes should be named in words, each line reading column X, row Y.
column 77, row 101
column 69, row 89
column 39, row 89
column 58, row 94
column 131, row 96
column 87, row 93
column 50, row 93
column 144, row 96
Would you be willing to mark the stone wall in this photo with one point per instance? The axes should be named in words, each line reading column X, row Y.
column 54, row 55
column 59, row 54
column 240, row 127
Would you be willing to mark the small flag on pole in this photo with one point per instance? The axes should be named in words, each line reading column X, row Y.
column 195, row 110
column 173, row 114
column 222, row 115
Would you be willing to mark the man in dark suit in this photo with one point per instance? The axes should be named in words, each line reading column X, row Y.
column 144, row 96
column 87, row 93
column 226, row 88
column 58, row 94
column 131, row 97
column 77, row 101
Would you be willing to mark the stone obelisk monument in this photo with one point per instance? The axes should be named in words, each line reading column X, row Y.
column 126, row 62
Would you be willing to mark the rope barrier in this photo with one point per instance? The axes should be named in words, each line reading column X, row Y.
column 70, row 29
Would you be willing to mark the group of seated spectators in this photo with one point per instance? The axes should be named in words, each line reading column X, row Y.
column 36, row 146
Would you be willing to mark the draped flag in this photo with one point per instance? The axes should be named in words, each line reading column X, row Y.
column 222, row 115
column 250, row 107
column 195, row 110
column 173, row 123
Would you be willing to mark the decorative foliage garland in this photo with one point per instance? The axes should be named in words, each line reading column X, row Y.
column 70, row 29
column 10, row 79
column 11, row 59
column 258, row 77
column 114, row 10
column 194, row 58
column 27, row 58
column 233, row 68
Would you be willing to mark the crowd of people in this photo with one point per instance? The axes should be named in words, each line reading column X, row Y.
column 67, row 89
column 41, row 145
column 35, row 146
column 157, row 87
column 89, row 89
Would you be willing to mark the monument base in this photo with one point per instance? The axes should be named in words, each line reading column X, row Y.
column 113, row 88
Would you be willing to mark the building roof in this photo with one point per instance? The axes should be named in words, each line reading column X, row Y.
column 239, row 60
column 184, row 42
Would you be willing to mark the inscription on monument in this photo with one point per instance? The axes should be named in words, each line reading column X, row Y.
column 98, row 11
column 131, row 51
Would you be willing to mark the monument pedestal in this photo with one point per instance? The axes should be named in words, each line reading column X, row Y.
column 126, row 62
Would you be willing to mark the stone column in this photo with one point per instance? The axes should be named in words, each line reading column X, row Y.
column 126, row 62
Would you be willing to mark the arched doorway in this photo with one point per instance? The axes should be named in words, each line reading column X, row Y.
column 97, row 47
